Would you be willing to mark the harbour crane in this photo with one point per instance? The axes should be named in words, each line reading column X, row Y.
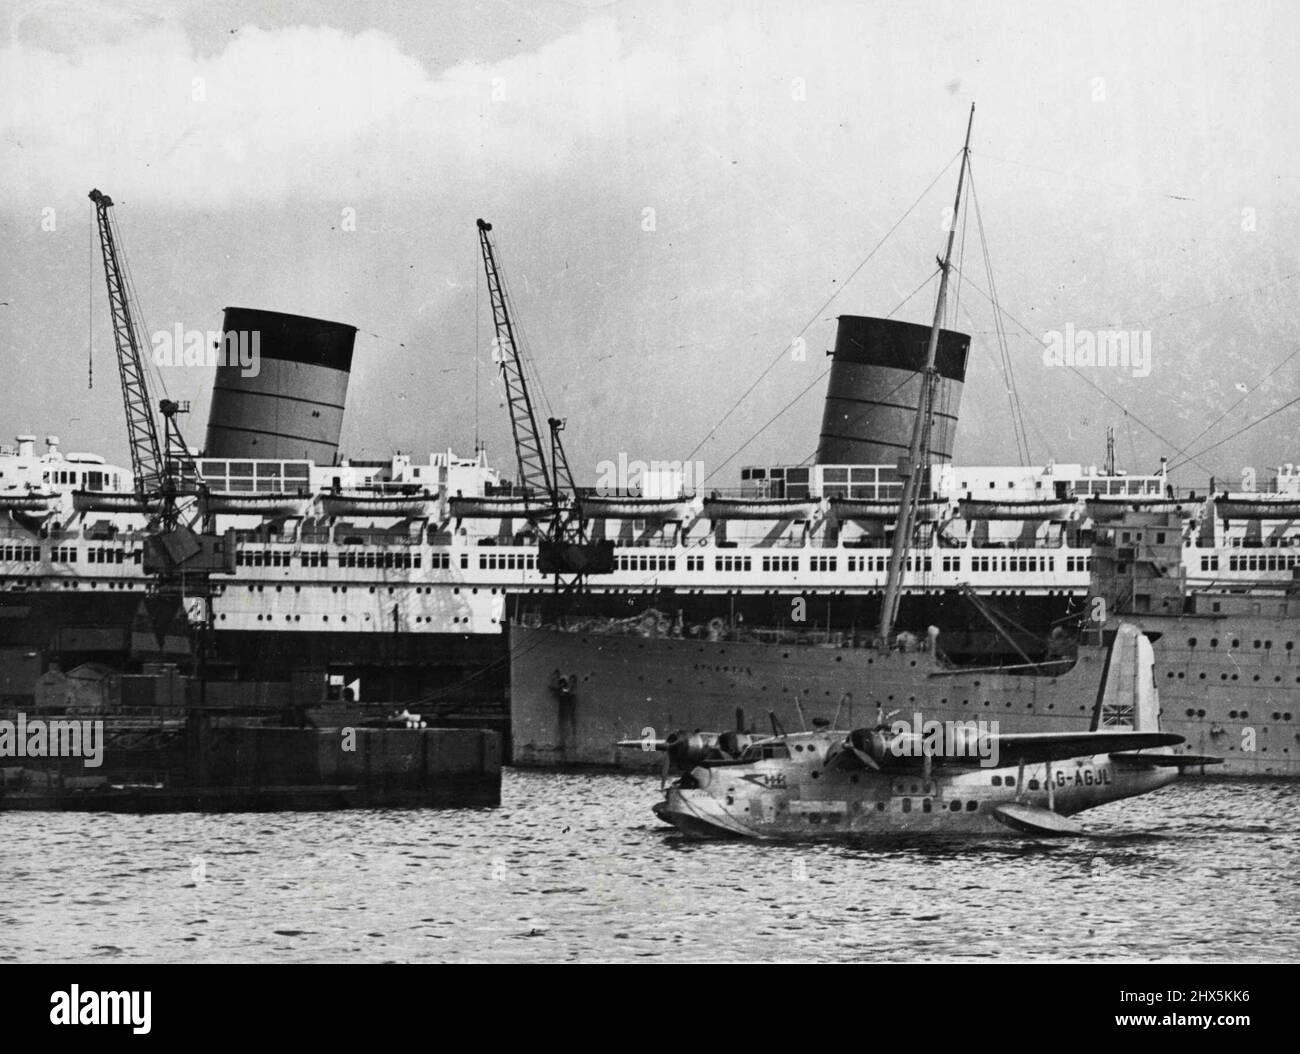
column 177, row 557
column 563, row 546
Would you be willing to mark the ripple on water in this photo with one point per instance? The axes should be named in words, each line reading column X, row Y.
column 571, row 867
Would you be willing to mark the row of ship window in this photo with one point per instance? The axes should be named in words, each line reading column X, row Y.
column 67, row 554
column 1253, row 562
column 1262, row 562
column 1266, row 645
column 642, row 562
column 528, row 562
column 397, row 561
column 877, row 563
column 343, row 618
column 221, row 589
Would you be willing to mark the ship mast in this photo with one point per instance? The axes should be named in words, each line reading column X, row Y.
column 912, row 468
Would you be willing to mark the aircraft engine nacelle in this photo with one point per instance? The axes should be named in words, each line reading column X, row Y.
column 890, row 749
column 874, row 744
column 733, row 744
column 887, row 749
column 686, row 749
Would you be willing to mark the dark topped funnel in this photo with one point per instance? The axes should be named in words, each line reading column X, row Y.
column 874, row 388
column 291, row 406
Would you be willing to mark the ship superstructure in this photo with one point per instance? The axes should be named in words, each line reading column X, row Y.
column 396, row 579
column 884, row 576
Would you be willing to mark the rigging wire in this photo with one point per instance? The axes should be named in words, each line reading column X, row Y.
column 818, row 313
column 820, row 377
column 1088, row 380
column 1229, row 410
column 1008, row 365
column 1239, row 431
column 1043, row 441
column 1220, row 300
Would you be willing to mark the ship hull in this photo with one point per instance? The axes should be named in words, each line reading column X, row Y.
column 443, row 675
column 630, row 687
column 966, row 635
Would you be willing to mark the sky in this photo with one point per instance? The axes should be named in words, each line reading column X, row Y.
column 681, row 192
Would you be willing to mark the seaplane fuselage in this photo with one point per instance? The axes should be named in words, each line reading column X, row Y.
column 800, row 790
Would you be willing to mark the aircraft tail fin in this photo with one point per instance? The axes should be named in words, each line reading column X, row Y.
column 1127, row 697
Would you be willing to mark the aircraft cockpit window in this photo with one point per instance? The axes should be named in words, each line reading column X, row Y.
column 766, row 751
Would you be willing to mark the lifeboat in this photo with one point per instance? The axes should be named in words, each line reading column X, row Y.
column 495, row 507
column 108, row 501
column 928, row 511
column 1264, row 508
column 1046, row 509
column 1101, row 509
column 601, row 508
column 267, row 504
column 409, row 506
column 28, row 502
column 760, row 508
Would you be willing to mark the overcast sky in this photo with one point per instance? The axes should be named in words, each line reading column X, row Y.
column 1136, row 166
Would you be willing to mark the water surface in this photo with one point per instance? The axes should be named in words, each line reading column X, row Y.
column 575, row 867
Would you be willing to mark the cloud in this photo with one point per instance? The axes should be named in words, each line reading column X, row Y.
column 285, row 111
column 148, row 113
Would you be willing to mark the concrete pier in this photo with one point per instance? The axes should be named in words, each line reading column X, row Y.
column 205, row 765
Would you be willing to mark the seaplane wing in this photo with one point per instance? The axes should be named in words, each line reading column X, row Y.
column 1029, row 747
column 908, row 752
column 1166, row 761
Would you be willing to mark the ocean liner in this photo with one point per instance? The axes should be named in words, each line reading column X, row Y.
column 883, row 579
column 392, row 582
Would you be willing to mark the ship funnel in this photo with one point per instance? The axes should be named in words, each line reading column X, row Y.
column 280, row 386
column 875, row 386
